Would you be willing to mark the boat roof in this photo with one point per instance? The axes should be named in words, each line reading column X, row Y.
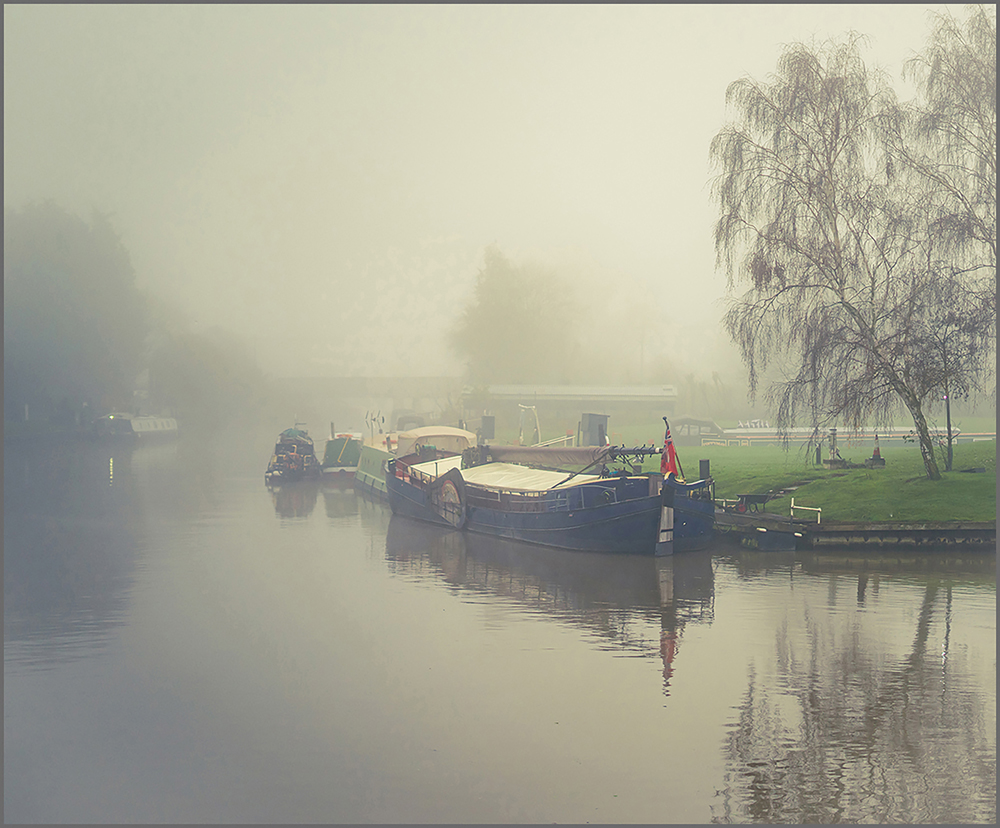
column 524, row 478
column 295, row 434
column 505, row 475
column 446, row 438
column 551, row 455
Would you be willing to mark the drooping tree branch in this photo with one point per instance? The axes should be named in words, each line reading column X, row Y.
column 835, row 235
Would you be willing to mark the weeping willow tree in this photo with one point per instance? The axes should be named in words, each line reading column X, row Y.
column 826, row 234
column 946, row 140
column 950, row 142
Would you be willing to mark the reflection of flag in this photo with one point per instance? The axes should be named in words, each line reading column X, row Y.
column 668, row 648
column 668, row 461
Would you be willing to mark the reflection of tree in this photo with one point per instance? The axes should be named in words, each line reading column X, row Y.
column 612, row 596
column 295, row 500
column 70, row 530
column 848, row 739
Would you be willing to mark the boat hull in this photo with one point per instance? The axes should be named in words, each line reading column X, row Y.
column 370, row 474
column 340, row 476
column 629, row 526
column 280, row 477
column 294, row 459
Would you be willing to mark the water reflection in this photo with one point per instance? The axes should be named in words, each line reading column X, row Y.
column 295, row 500
column 339, row 501
column 687, row 594
column 848, row 732
column 616, row 598
column 72, row 520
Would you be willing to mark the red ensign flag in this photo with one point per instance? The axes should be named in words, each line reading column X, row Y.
column 668, row 461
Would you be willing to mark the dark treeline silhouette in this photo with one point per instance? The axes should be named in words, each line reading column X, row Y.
column 81, row 339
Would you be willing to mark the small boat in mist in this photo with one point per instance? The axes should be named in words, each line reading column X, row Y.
column 294, row 458
column 134, row 427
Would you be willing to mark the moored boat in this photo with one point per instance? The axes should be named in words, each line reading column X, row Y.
column 294, row 458
column 341, row 457
column 141, row 428
column 379, row 450
column 490, row 490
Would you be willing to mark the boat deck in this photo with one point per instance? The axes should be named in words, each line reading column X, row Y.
column 508, row 476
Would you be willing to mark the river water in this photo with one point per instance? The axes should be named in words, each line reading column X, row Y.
column 182, row 645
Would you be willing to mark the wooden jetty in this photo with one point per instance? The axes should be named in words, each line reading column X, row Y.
column 772, row 532
column 979, row 535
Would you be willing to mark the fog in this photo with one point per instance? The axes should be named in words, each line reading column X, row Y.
column 323, row 180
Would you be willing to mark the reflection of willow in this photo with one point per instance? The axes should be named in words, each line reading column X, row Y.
column 612, row 596
column 295, row 500
column 868, row 742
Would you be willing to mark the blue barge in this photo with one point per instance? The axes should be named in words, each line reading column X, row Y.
column 623, row 511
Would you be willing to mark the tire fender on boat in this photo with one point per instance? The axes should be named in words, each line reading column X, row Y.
column 446, row 495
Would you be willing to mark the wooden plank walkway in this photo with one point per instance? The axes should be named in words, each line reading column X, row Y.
column 978, row 536
column 895, row 536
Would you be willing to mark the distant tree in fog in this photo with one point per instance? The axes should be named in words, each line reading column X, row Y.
column 74, row 320
column 520, row 325
column 206, row 379
column 839, row 241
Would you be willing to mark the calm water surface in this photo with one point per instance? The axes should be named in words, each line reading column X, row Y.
column 182, row 645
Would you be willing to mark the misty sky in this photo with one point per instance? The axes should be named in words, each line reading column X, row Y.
column 322, row 180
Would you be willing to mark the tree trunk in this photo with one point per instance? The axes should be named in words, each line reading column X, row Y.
column 924, row 435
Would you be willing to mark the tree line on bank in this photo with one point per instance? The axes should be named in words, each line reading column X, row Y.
column 79, row 333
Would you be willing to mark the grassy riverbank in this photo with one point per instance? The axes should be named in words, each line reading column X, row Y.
column 898, row 492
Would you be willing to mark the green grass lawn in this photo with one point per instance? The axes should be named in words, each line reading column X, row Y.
column 899, row 492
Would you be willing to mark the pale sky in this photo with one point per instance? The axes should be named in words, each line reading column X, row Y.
column 322, row 180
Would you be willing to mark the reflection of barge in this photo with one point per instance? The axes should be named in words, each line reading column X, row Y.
column 612, row 596
column 568, row 583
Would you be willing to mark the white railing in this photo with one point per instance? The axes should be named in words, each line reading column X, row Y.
column 806, row 508
column 555, row 441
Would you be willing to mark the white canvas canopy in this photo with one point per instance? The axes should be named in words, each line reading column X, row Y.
column 435, row 468
column 511, row 476
column 551, row 455
column 445, row 438
column 505, row 475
